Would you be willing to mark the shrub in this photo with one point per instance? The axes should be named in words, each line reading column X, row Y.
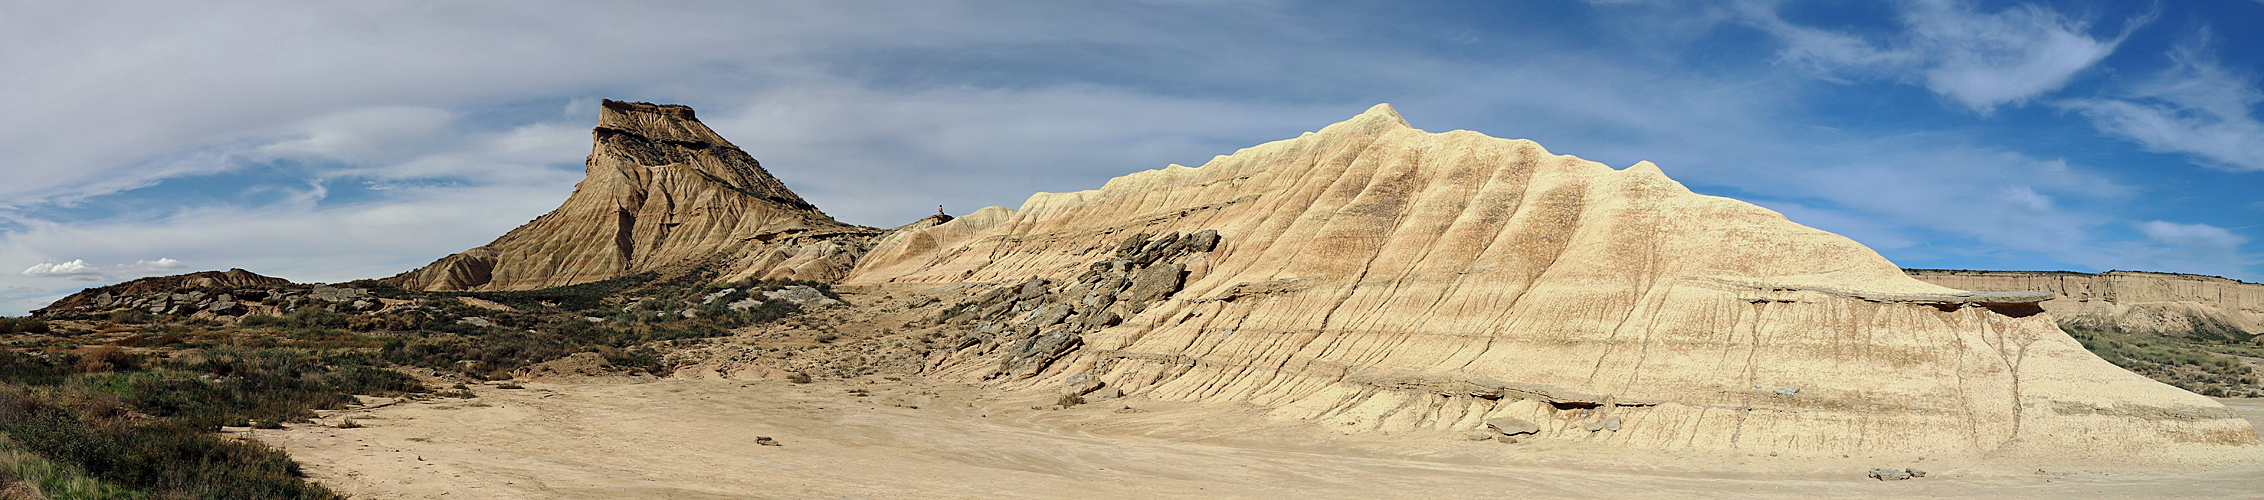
column 108, row 358
column 54, row 480
column 25, row 324
column 132, row 317
column 19, row 368
column 166, row 458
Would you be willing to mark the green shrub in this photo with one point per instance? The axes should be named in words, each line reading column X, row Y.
column 25, row 324
column 132, row 317
column 165, row 458
column 55, row 480
column 19, row 368
column 2187, row 363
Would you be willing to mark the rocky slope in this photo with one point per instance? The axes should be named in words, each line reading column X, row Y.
column 212, row 294
column 662, row 190
column 1376, row 277
column 2130, row 301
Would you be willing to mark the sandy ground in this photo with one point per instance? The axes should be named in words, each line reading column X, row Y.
column 874, row 437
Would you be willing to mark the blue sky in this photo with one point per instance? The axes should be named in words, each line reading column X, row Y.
column 325, row 143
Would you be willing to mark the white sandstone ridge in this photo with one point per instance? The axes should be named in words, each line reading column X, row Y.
column 1373, row 276
column 662, row 191
column 2130, row 301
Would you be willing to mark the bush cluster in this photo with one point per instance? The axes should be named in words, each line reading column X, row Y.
column 2184, row 363
column 122, row 424
column 146, row 425
column 494, row 354
column 554, row 323
column 578, row 298
column 25, row 324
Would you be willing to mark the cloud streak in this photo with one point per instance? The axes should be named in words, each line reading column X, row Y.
column 79, row 270
column 328, row 141
column 2195, row 107
column 1978, row 60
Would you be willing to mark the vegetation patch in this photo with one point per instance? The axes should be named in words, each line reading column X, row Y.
column 2209, row 366
column 106, row 422
column 126, row 403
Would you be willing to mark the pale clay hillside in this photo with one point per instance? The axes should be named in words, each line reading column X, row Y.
column 1475, row 313
column 1376, row 277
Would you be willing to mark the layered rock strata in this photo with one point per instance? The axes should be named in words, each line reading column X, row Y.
column 1372, row 276
column 661, row 190
column 2130, row 301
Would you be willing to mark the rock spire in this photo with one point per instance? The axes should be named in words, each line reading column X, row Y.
column 661, row 190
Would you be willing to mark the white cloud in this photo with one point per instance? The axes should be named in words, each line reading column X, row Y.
column 72, row 269
column 1983, row 61
column 409, row 227
column 2190, row 235
column 2196, row 107
column 2180, row 247
column 79, row 270
column 415, row 132
column 1980, row 60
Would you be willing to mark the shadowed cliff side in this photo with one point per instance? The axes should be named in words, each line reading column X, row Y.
column 1376, row 277
column 662, row 190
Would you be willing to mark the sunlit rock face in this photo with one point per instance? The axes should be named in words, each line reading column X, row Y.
column 1376, row 277
column 662, row 190
column 2130, row 301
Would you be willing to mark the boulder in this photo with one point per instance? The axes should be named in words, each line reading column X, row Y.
column 718, row 295
column 225, row 307
column 1508, row 426
column 1154, row 283
column 802, row 296
column 1081, row 384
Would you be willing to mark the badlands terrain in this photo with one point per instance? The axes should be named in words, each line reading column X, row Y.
column 902, row 435
column 1367, row 310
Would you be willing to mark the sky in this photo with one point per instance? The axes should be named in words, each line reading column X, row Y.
column 331, row 141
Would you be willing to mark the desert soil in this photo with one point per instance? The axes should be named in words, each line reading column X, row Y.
column 887, row 436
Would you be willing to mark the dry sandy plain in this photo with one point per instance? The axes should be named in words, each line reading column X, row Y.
column 904, row 437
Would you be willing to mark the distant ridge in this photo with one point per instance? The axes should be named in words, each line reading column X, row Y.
column 201, row 281
column 2130, row 301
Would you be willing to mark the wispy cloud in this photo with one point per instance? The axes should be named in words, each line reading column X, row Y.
column 2196, row 106
column 363, row 136
column 79, row 270
column 376, row 141
column 2172, row 245
column 1979, row 60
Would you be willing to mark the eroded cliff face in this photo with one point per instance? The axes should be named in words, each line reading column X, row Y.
column 1372, row 276
column 662, row 190
column 2131, row 301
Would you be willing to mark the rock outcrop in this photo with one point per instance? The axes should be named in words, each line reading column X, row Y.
column 213, row 294
column 1372, row 276
column 2130, row 301
column 662, row 190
